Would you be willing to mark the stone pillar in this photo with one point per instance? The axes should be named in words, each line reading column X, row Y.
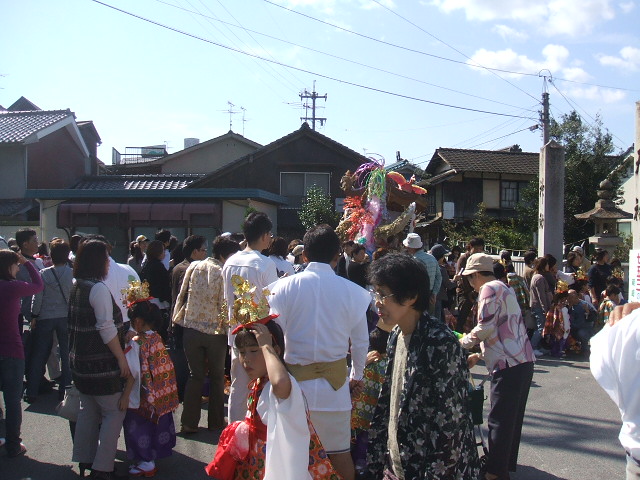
column 635, row 208
column 551, row 209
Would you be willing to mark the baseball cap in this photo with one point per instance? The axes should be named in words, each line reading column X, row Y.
column 141, row 238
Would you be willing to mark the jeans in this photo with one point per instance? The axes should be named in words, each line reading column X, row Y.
column 42, row 342
column 11, row 375
column 540, row 317
column 583, row 335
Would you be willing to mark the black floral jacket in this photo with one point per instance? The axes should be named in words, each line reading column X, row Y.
column 435, row 432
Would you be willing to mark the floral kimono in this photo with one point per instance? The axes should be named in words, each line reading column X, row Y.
column 435, row 432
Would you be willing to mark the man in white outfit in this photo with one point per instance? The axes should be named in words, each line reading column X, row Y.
column 323, row 316
column 260, row 271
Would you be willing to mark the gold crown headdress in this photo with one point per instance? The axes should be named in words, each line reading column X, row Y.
column 136, row 292
column 618, row 273
column 581, row 275
column 562, row 287
column 245, row 309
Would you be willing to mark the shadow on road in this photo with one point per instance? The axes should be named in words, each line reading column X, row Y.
column 532, row 473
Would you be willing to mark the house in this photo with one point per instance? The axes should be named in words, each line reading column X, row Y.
column 273, row 179
column 288, row 167
column 40, row 149
column 460, row 179
column 196, row 157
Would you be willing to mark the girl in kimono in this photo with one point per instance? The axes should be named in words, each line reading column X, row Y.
column 151, row 394
column 276, row 439
column 557, row 326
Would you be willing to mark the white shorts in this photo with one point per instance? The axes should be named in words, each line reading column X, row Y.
column 334, row 430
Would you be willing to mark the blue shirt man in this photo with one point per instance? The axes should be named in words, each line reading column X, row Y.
column 413, row 244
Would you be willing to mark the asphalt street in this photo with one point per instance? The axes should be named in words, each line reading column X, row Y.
column 570, row 433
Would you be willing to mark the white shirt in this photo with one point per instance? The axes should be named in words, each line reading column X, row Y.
column 287, row 434
column 117, row 280
column 282, row 265
column 320, row 312
column 615, row 362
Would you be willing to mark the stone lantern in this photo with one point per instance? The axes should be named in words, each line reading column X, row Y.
column 605, row 216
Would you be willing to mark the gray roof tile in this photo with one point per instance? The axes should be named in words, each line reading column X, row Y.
column 493, row 161
column 17, row 126
column 137, row 182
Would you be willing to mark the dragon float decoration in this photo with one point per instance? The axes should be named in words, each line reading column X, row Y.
column 378, row 204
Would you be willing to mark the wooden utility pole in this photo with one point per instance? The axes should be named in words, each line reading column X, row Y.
column 313, row 96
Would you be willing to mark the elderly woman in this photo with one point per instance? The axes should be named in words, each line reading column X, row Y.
column 98, row 364
column 421, row 419
column 508, row 355
column 11, row 348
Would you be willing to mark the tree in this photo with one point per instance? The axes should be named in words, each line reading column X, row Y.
column 588, row 161
column 317, row 208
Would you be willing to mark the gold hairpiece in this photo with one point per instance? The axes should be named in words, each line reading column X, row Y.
column 136, row 292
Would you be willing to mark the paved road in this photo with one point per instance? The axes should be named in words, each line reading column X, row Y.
column 570, row 433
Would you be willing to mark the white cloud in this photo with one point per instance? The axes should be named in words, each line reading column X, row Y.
column 555, row 57
column 596, row 94
column 626, row 7
column 551, row 17
column 629, row 59
column 508, row 33
column 575, row 74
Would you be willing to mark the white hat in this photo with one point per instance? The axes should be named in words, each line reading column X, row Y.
column 478, row 262
column 413, row 240
column 578, row 249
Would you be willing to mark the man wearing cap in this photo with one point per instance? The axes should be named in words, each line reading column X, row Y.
column 413, row 244
column 586, row 264
column 509, row 357
column 439, row 252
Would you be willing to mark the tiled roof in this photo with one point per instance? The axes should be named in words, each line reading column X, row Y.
column 137, row 182
column 14, row 206
column 490, row 161
column 17, row 126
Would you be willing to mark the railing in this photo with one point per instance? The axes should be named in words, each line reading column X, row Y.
column 135, row 155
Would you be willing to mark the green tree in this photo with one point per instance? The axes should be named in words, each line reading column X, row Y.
column 317, row 208
column 588, row 161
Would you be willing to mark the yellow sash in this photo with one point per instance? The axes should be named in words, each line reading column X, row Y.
column 334, row 372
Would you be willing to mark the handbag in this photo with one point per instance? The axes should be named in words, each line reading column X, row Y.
column 69, row 407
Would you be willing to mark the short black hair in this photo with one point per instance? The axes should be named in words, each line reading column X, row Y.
column 224, row 247
column 191, row 243
column 499, row 270
column 59, row 252
column 24, row 235
column 476, row 242
column 357, row 249
column 404, row 276
column 612, row 290
column 163, row 235
column 155, row 249
column 256, row 225
column 321, row 244
column 246, row 337
column 91, row 260
column 148, row 312
column 551, row 260
column 74, row 242
column 529, row 257
column 600, row 254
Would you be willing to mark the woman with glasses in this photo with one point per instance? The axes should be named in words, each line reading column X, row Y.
column 421, row 419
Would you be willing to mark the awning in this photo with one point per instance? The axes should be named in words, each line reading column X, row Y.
column 128, row 215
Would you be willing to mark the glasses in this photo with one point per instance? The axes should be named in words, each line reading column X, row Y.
column 379, row 298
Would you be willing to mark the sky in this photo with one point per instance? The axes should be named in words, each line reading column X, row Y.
column 407, row 76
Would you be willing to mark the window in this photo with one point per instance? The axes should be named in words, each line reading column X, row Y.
column 509, row 194
column 294, row 185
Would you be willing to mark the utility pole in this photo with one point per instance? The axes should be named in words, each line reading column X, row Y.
column 545, row 111
column 313, row 96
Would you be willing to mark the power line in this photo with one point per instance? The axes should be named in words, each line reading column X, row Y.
column 328, row 77
column 399, row 75
column 446, row 59
column 452, row 48
column 531, row 129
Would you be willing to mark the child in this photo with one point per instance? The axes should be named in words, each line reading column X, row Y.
column 558, row 326
column 151, row 393
column 609, row 302
column 286, row 447
column 364, row 403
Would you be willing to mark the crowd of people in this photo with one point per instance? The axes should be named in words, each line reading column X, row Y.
column 364, row 357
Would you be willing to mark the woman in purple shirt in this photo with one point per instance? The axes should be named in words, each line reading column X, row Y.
column 11, row 348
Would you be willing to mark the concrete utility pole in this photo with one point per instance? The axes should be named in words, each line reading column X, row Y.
column 313, row 96
column 551, row 205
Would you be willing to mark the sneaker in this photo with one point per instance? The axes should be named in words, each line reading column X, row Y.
column 538, row 353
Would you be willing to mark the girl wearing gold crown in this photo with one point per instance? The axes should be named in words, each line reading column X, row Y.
column 151, row 393
column 557, row 326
